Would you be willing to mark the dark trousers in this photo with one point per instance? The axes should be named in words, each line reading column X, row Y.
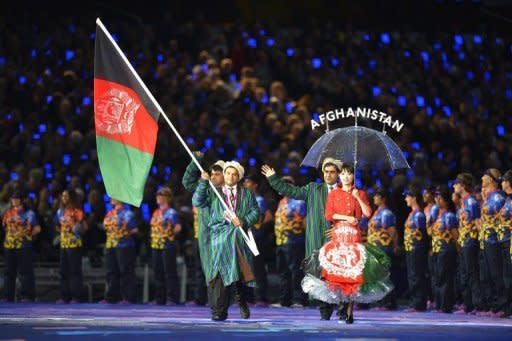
column 120, row 263
column 417, row 266
column 219, row 297
column 19, row 262
column 260, row 272
column 445, row 266
column 71, row 273
column 432, row 277
column 288, row 260
column 494, row 276
column 200, row 282
column 507, row 273
column 165, row 275
column 470, row 277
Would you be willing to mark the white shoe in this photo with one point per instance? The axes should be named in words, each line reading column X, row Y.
column 297, row 305
column 276, row 305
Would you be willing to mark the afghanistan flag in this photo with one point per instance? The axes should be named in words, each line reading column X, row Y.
column 126, row 119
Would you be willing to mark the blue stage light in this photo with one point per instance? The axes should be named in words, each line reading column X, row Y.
column 290, row 52
column 420, row 101
column 376, row 91
column 500, row 130
column 66, row 159
column 252, row 43
column 401, row 101
column 458, row 39
column 270, row 42
column 385, row 38
column 70, row 54
column 447, row 111
column 316, row 63
column 208, row 143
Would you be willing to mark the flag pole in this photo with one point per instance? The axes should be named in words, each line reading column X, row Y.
column 249, row 239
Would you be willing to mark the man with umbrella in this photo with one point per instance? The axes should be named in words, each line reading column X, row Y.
column 315, row 195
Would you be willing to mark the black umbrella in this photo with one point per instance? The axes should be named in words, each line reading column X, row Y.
column 362, row 146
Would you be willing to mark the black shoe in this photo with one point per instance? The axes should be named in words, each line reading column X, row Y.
column 349, row 319
column 245, row 313
column 342, row 311
column 219, row 317
column 325, row 314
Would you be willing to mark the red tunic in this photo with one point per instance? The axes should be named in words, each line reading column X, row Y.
column 342, row 202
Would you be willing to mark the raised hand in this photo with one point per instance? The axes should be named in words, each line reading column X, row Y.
column 267, row 171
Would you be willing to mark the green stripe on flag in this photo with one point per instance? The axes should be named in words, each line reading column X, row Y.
column 124, row 170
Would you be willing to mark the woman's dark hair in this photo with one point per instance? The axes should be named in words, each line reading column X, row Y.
column 348, row 167
column 444, row 192
column 73, row 198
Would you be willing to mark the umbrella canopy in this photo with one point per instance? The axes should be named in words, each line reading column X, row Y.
column 370, row 148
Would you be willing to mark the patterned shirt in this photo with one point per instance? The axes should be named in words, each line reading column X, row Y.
column 262, row 206
column 118, row 223
column 442, row 237
column 162, row 224
column 431, row 212
column 18, row 224
column 490, row 218
column 467, row 216
column 379, row 228
column 290, row 221
column 70, row 222
column 505, row 221
column 415, row 230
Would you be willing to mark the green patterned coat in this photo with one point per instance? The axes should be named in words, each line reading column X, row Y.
column 224, row 237
column 315, row 196
column 190, row 181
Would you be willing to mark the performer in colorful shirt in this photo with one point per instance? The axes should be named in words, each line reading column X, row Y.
column 71, row 225
column 289, row 230
column 230, row 256
column 504, row 236
column 468, row 216
column 382, row 234
column 416, row 250
column 315, row 195
column 165, row 225
column 350, row 271
column 493, row 286
column 431, row 211
column 444, row 250
column 120, row 254
column 21, row 226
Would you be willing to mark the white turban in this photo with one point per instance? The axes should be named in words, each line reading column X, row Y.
column 220, row 163
column 235, row 165
column 337, row 163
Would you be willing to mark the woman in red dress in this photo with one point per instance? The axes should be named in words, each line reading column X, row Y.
column 350, row 271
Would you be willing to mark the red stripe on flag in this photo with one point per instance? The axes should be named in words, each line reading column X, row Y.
column 120, row 115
